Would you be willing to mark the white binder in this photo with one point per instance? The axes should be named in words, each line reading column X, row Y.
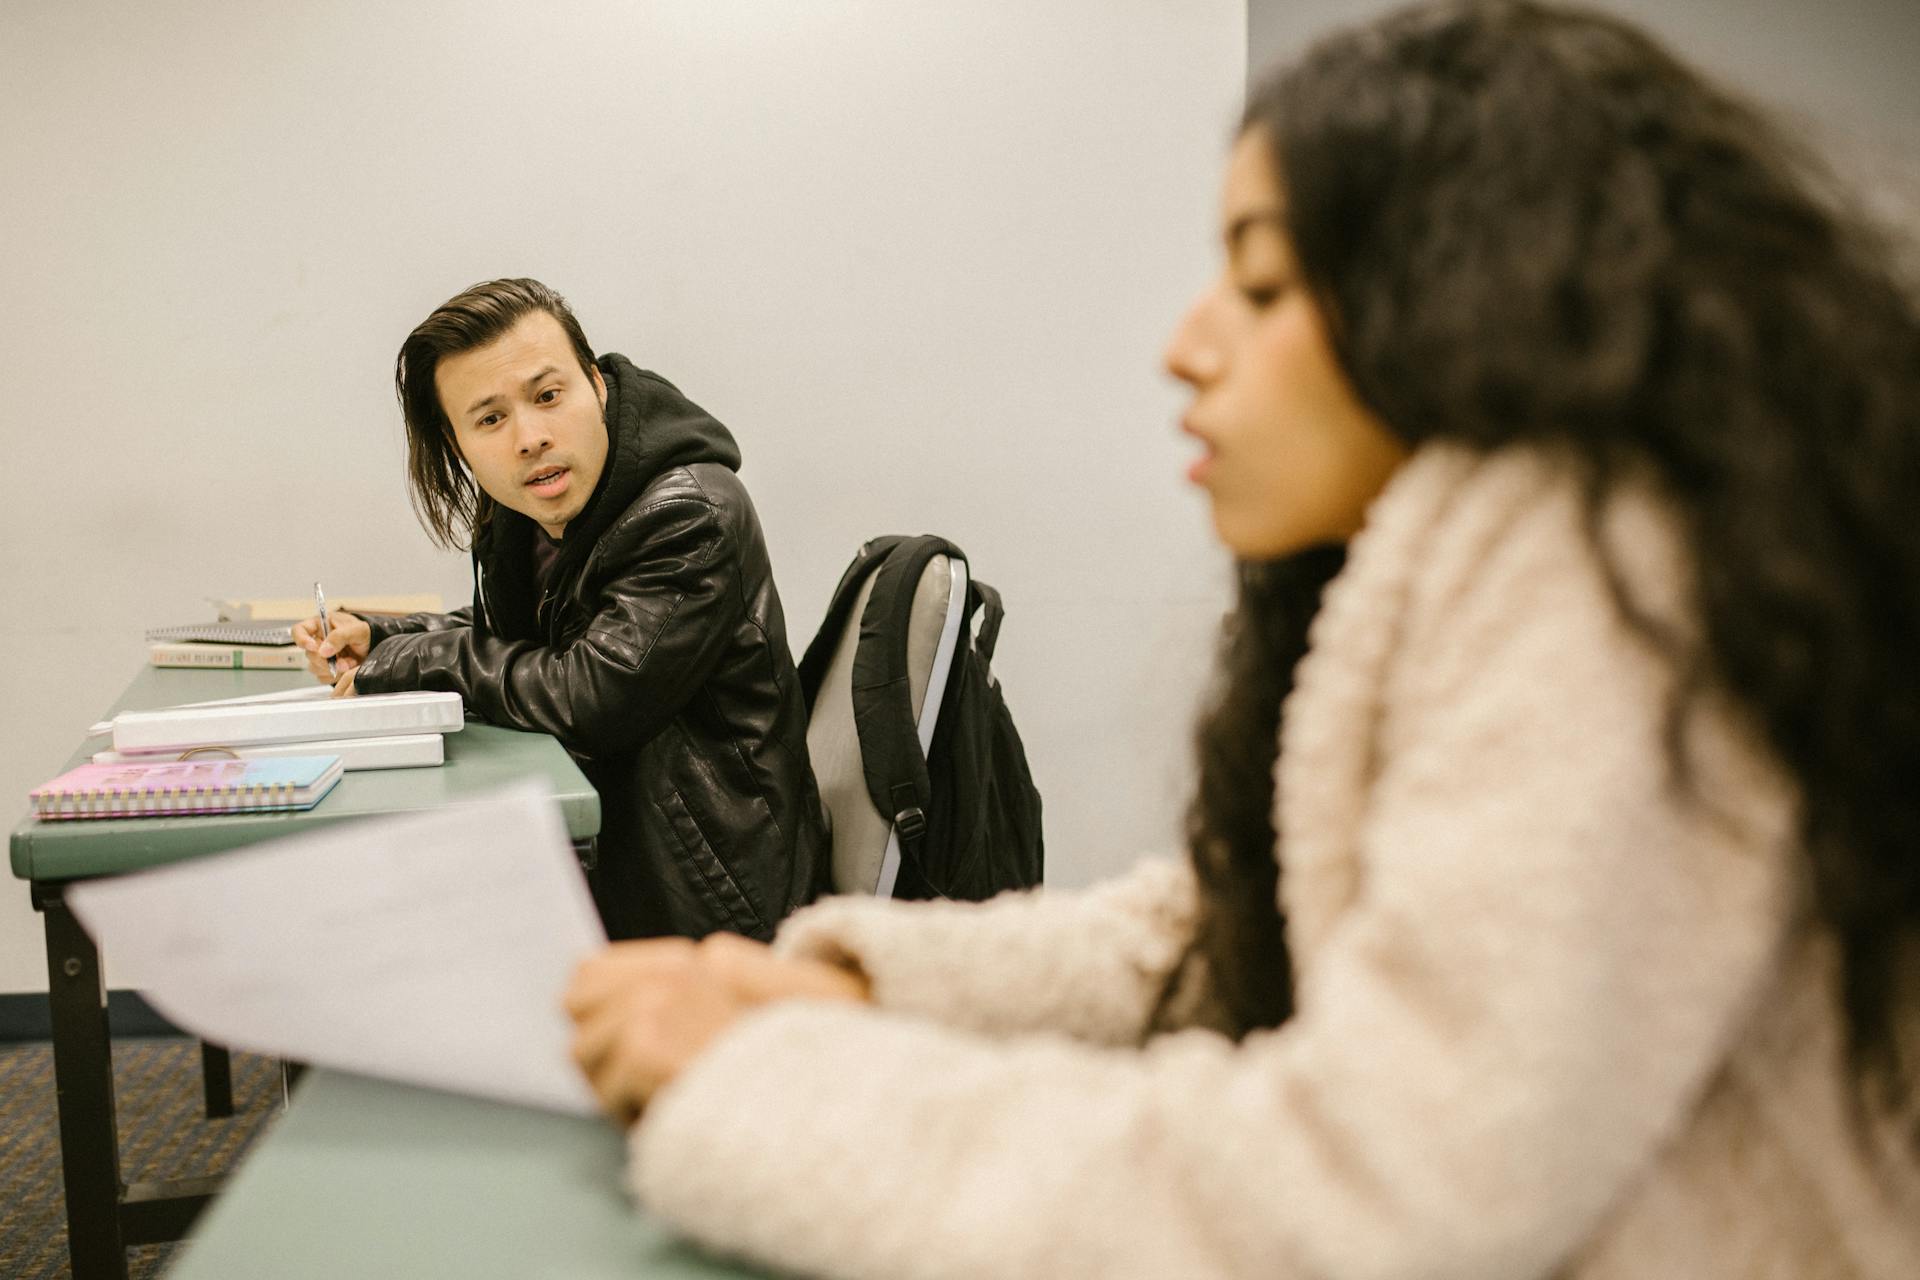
column 406, row 751
column 244, row 724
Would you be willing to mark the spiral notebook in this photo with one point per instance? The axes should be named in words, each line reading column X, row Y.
column 179, row 787
column 226, row 632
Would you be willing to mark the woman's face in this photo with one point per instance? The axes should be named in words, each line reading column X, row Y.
column 1291, row 456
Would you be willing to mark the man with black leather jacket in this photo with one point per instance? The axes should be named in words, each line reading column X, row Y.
column 623, row 602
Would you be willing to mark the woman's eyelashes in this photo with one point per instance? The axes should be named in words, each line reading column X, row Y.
column 1261, row 294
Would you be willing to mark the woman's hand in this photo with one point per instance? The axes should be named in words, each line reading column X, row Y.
column 644, row 1010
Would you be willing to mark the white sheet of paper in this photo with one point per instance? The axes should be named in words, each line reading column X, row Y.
column 308, row 693
column 312, row 693
column 431, row 948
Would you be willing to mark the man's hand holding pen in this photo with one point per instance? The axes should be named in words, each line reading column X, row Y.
column 345, row 640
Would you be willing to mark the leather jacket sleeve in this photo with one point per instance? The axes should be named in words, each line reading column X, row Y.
column 386, row 626
column 666, row 598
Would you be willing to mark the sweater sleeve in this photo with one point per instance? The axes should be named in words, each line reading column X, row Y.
column 1548, row 954
column 1086, row 963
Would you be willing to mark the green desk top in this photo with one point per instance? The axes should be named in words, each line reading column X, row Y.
column 480, row 758
column 365, row 1178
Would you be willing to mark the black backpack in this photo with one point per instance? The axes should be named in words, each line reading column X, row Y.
column 966, row 813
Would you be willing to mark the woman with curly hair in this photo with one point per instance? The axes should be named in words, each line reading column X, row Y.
column 1552, row 904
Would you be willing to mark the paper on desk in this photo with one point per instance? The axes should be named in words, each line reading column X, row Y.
column 306, row 693
column 309, row 693
column 431, row 948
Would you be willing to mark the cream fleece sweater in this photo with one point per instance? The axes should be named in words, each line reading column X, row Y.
column 1552, row 1019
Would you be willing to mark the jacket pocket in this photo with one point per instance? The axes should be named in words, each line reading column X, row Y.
column 731, row 906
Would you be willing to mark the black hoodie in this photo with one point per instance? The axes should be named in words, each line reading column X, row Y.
column 651, row 428
column 658, row 656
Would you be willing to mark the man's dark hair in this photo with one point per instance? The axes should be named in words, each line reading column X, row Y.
column 445, row 497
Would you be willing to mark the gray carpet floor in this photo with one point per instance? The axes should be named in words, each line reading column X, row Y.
column 164, row 1133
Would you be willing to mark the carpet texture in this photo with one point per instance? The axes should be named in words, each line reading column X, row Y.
column 164, row 1133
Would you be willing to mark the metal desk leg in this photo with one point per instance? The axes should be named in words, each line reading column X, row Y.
column 83, row 1078
column 216, row 1076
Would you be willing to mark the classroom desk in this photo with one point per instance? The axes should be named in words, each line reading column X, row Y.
column 366, row 1178
column 104, row 1215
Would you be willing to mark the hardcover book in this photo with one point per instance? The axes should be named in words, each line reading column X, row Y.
column 228, row 657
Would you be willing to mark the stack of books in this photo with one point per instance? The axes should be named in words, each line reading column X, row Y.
column 372, row 731
column 265, row 645
column 258, row 634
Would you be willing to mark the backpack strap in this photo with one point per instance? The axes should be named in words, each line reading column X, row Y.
column 890, row 754
column 989, row 620
column 819, row 655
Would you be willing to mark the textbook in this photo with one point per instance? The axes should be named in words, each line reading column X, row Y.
column 308, row 719
column 405, row 751
column 200, row 653
column 166, row 788
column 280, row 632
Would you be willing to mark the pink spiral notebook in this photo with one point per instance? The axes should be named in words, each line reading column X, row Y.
column 165, row 788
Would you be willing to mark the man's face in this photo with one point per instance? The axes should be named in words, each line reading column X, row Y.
column 528, row 420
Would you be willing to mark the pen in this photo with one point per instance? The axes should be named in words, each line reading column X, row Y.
column 320, row 603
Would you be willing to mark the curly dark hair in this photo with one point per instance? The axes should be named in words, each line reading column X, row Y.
column 1532, row 224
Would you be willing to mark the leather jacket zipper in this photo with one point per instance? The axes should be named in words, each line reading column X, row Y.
column 540, row 615
column 483, row 612
column 548, row 624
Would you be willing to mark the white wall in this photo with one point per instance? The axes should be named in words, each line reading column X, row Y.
column 1843, row 71
column 919, row 257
